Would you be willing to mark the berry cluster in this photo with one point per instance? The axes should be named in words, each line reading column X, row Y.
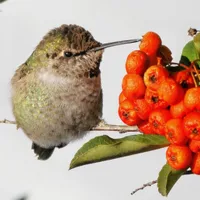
column 162, row 102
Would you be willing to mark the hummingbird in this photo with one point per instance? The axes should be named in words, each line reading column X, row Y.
column 56, row 93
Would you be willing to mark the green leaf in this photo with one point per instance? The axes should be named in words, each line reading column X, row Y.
column 167, row 178
column 104, row 148
column 197, row 42
column 189, row 53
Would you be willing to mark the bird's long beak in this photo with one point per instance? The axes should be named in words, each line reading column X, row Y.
column 111, row 44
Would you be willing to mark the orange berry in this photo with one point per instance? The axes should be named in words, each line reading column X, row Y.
column 179, row 157
column 150, row 43
column 166, row 55
column 145, row 127
column 183, row 78
column 137, row 62
column 157, row 120
column 170, row 91
column 153, row 99
column 181, row 94
column 178, row 110
column 174, row 132
column 192, row 98
column 194, row 145
column 195, row 166
column 127, row 113
column 152, row 59
column 121, row 97
column 133, row 86
column 142, row 108
column 189, row 82
column 191, row 125
column 154, row 75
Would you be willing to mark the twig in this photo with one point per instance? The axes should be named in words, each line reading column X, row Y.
column 111, row 127
column 6, row 121
column 149, row 184
column 101, row 127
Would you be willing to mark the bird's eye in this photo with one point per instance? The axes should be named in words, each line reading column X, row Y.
column 68, row 54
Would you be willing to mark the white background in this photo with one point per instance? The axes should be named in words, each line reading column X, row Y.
column 22, row 25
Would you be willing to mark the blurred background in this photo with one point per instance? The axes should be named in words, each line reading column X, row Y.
column 23, row 24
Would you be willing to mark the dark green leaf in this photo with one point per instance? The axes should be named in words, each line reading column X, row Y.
column 171, row 68
column 167, row 178
column 104, row 148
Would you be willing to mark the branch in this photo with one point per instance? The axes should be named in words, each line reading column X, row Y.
column 111, row 127
column 149, row 184
column 5, row 121
column 102, row 126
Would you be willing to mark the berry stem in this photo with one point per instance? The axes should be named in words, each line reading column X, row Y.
column 195, row 83
column 159, row 60
column 196, row 71
column 184, row 66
